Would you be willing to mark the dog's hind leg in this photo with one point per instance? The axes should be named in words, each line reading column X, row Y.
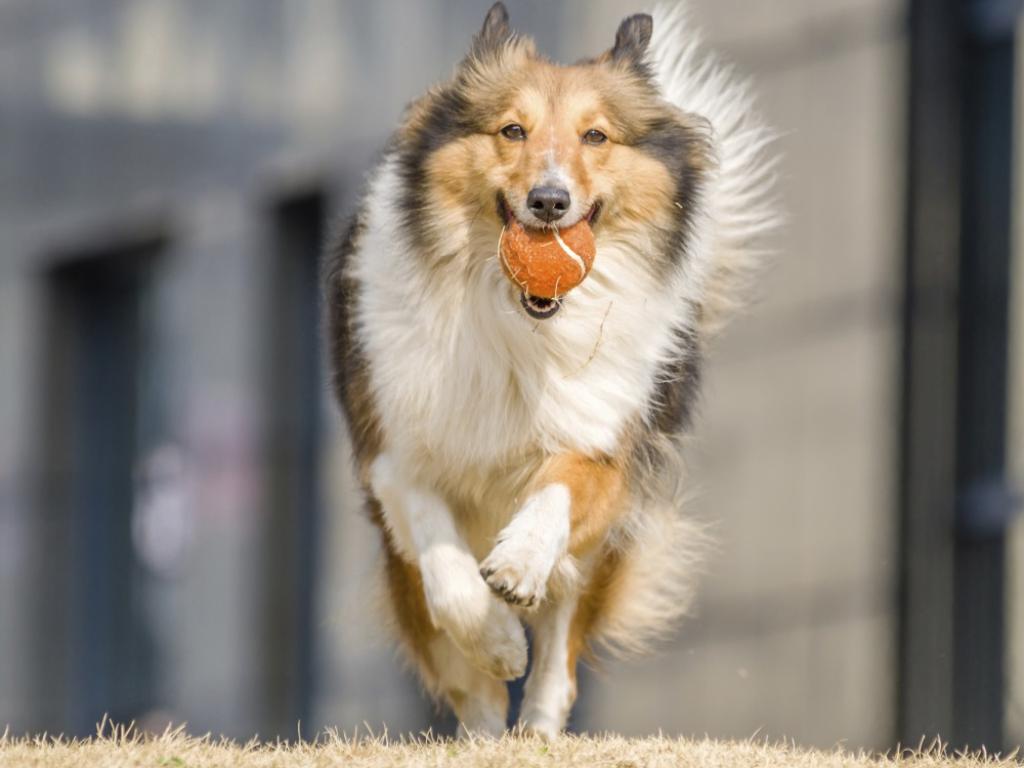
column 551, row 687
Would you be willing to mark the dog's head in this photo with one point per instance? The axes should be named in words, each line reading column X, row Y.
column 514, row 134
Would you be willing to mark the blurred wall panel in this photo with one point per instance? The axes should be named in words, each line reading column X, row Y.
column 16, row 512
column 217, row 315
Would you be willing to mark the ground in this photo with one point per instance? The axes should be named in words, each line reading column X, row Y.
column 176, row 750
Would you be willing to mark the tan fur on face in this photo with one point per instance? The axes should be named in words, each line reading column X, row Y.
column 556, row 105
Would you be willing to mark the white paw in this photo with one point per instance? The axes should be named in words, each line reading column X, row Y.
column 519, row 566
column 546, row 711
column 483, row 628
column 498, row 647
column 546, row 728
column 517, row 572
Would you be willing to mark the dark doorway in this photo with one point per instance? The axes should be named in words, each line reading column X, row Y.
column 95, row 650
column 295, row 402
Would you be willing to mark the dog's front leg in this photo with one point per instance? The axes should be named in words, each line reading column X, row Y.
column 482, row 627
column 572, row 502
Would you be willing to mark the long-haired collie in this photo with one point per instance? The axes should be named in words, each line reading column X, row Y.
column 520, row 454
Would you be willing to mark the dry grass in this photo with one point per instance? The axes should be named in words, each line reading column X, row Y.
column 177, row 750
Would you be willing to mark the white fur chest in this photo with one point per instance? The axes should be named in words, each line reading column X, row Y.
column 461, row 377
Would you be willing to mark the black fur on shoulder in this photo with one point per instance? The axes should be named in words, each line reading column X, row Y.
column 349, row 363
column 672, row 405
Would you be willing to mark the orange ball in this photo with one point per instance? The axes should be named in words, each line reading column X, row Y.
column 547, row 263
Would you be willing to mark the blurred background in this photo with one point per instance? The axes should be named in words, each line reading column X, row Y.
column 179, row 535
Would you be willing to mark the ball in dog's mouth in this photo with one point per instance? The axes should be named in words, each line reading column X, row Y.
column 545, row 263
column 540, row 308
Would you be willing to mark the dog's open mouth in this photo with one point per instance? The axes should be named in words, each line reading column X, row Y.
column 538, row 308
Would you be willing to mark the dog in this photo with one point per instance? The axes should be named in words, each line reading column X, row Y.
column 521, row 456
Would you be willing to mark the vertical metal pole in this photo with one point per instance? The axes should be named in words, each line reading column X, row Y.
column 928, row 430
column 983, row 502
column 954, row 504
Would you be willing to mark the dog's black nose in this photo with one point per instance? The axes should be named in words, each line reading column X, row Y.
column 548, row 203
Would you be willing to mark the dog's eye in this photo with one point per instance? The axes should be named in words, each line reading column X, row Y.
column 513, row 132
column 594, row 136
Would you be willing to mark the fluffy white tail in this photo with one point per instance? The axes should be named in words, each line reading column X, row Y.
column 653, row 585
column 740, row 201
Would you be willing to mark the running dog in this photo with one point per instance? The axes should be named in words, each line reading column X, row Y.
column 520, row 454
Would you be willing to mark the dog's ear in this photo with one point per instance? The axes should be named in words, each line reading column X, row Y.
column 495, row 32
column 632, row 38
